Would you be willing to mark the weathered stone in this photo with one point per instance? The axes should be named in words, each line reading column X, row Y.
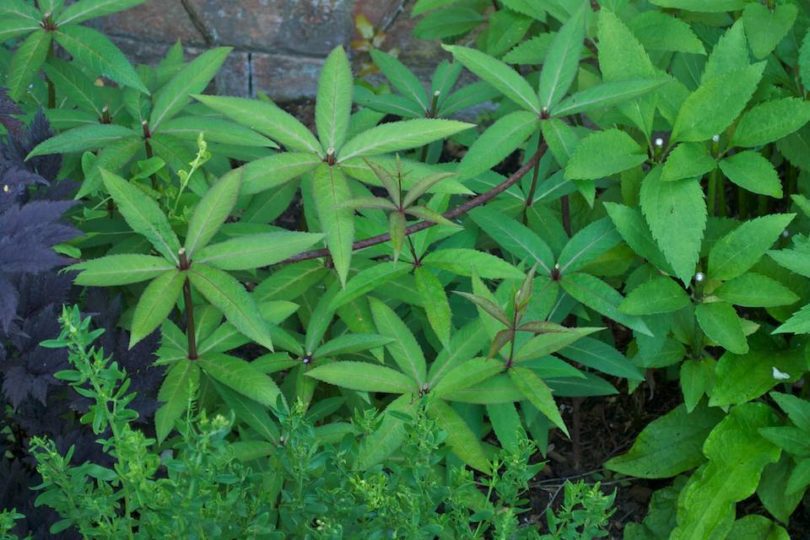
column 234, row 78
column 163, row 21
column 284, row 77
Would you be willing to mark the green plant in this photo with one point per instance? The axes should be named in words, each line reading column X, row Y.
column 583, row 515
column 50, row 22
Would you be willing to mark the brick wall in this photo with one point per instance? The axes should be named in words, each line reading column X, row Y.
column 279, row 45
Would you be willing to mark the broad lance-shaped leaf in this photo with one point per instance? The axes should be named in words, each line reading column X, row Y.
column 120, row 270
column 501, row 76
column 466, row 374
column 434, row 300
column 602, row 298
column 739, row 250
column 605, row 95
column 669, row 445
column 497, row 142
column 240, row 376
column 364, row 377
column 26, row 61
column 331, row 191
column 551, row 342
column 231, row 298
column 562, row 61
column 273, row 171
column 597, row 354
column 215, row 130
column 514, row 237
column 350, row 343
column 676, row 213
column 405, row 350
column 468, row 262
column 94, row 50
column 192, row 79
column 715, row 6
column 143, row 214
column 711, row 108
column 249, row 411
column 752, row 171
column 538, row 393
column 755, row 290
column 176, row 392
column 720, row 322
column 266, row 118
column 659, row 295
column 396, row 136
column 82, row 138
column 604, row 153
column 589, row 243
column 155, row 304
column 211, row 212
column 737, row 455
column 401, row 78
column 743, row 378
column 333, row 106
column 84, row 10
column 368, row 280
column 688, row 160
column 390, row 435
column 256, row 250
column 460, row 438
column 765, row 26
column 770, row 121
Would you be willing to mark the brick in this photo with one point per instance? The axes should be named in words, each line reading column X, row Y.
column 163, row 21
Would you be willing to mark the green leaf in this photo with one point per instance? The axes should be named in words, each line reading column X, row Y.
column 389, row 437
column 250, row 412
column 143, row 214
column 466, row 374
column 737, row 455
column 500, row 75
column 176, row 393
column 710, row 109
column 81, row 139
column 720, row 322
column 739, row 250
column 797, row 409
column 364, row 377
column 26, row 62
column 770, row 121
column 396, row 136
column 755, row 290
column 729, row 54
column 551, row 342
column 592, row 241
column 688, row 160
column 84, row 10
column 744, row 378
column 13, row 26
column 331, row 191
column 368, row 280
column 120, row 270
column 460, row 438
column 20, row 8
column 401, row 78
column 404, row 348
column 765, row 27
column 192, row 79
column 631, row 226
column 697, row 379
column 111, row 158
column 333, row 106
column 514, row 237
column 99, row 54
column 349, row 344
column 469, row 262
column 659, row 31
column 217, row 130
column 604, row 153
column 676, row 214
column 228, row 296
column 156, row 304
column 75, row 85
column 276, row 170
column 804, row 60
column 715, row 6
column 799, row 323
column 605, row 95
column 791, row 439
column 669, row 445
column 562, row 61
column 602, row 298
column 256, row 250
column 448, row 23
column 435, row 302
column 754, row 526
column 240, row 376
column 658, row 295
column 266, row 118
column 799, row 478
column 211, row 212
column 597, row 354
column 538, row 394
column 497, row 142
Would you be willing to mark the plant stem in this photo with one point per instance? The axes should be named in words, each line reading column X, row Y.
column 565, row 207
column 189, row 304
column 532, row 186
column 147, row 134
column 459, row 210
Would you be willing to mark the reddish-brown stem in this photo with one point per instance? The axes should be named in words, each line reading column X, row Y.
column 459, row 210
column 185, row 264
